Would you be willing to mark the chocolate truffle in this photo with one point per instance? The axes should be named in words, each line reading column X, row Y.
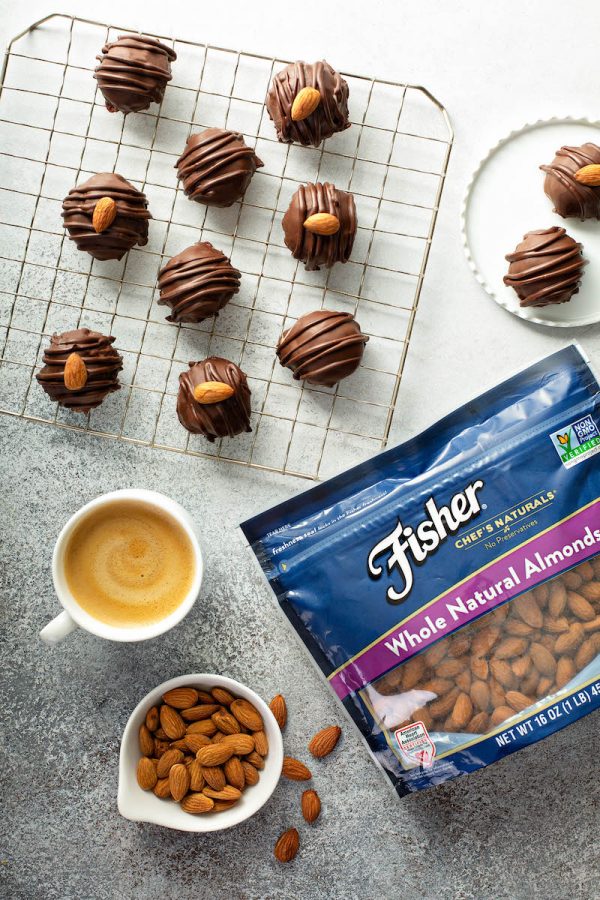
column 322, row 347
column 308, row 102
column 546, row 267
column 573, row 198
column 214, row 399
column 197, row 283
column 216, row 167
column 80, row 368
column 320, row 225
column 133, row 72
column 106, row 216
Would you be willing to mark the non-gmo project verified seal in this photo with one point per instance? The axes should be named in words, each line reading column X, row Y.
column 577, row 441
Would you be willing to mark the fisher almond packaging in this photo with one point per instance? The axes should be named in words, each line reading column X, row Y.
column 449, row 588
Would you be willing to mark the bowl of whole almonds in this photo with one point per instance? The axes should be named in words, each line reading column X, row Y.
column 199, row 753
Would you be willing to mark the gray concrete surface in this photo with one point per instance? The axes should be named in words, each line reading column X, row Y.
column 525, row 828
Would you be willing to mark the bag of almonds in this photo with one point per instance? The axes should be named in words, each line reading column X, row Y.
column 449, row 588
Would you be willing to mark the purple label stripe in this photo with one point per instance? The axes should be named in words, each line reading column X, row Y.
column 516, row 567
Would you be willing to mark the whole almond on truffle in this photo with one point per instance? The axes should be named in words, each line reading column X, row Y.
column 105, row 213
column 323, row 224
column 287, row 846
column 279, row 709
column 146, row 774
column 212, row 392
column 324, row 741
column 75, row 373
column 589, row 175
column 305, row 103
column 311, row 805
column 295, row 770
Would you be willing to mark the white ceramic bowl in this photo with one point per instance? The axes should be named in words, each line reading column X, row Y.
column 144, row 806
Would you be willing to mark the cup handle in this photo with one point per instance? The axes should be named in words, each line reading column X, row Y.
column 58, row 628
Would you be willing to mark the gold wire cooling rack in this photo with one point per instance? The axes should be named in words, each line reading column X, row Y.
column 56, row 132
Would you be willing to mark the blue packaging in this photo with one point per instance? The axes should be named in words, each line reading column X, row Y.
column 449, row 588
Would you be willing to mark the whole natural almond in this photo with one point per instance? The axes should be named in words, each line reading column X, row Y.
column 171, row 722
column 179, row 781
column 589, row 175
column 323, row 224
column 449, row 668
column 496, row 693
column 530, row 685
column 181, row 744
column 594, row 625
column 256, row 760
column 484, row 640
column 542, row 594
column 196, row 776
column 479, row 723
column 222, row 696
column 146, row 741
column 509, row 647
column 225, row 722
column 217, row 738
column 205, row 727
column 152, row 719
column 570, row 640
column 521, row 665
column 229, row 793
column 105, row 213
column 162, row 789
column 463, row 681
column 518, row 701
column 75, row 374
column 591, row 591
column 205, row 697
column 160, row 734
column 197, row 803
column 168, row 759
column 325, row 741
column 544, row 685
column 423, row 715
column 501, row 714
column 462, row 711
column 222, row 805
column 459, row 645
column 580, row 607
column 234, row 772
column 195, row 742
column 435, row 654
column 480, row 695
column 585, row 654
column 247, row 715
column 287, row 846
column 586, row 570
column 443, row 705
column 212, row 392
column 311, row 806
column 214, row 777
column 558, row 599
column 543, row 660
column 241, row 744
column 479, row 667
column 572, row 580
column 160, row 748
column 556, row 626
column 412, row 672
column 279, row 709
column 261, row 744
column 503, row 673
column 527, row 608
column 200, row 712
column 295, row 770
column 214, row 754
column 438, row 686
column 565, row 670
column 250, row 773
column 305, row 103
column 181, row 697
column 146, row 774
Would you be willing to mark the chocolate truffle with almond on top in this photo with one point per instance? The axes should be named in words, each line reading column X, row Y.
column 133, row 72
column 573, row 182
column 216, row 167
column 308, row 102
column 214, row 399
column 545, row 268
column 320, row 225
column 322, row 347
column 106, row 216
column 197, row 283
column 80, row 368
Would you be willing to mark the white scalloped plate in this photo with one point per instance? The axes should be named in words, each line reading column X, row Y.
column 505, row 199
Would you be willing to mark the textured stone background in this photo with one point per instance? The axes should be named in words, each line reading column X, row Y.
column 526, row 827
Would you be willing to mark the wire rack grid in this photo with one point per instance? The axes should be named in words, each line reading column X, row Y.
column 55, row 132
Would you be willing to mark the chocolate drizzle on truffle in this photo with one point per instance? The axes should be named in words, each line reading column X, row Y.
column 320, row 249
column 197, row 283
column 216, row 167
column 546, row 267
column 102, row 364
column 322, row 347
column 329, row 117
column 225, row 418
column 129, row 227
column 571, row 198
column 133, row 72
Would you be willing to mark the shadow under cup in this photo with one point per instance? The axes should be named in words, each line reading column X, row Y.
column 128, row 565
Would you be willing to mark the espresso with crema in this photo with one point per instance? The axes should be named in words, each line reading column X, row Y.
column 128, row 563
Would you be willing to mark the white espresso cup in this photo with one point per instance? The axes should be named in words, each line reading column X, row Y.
column 75, row 616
